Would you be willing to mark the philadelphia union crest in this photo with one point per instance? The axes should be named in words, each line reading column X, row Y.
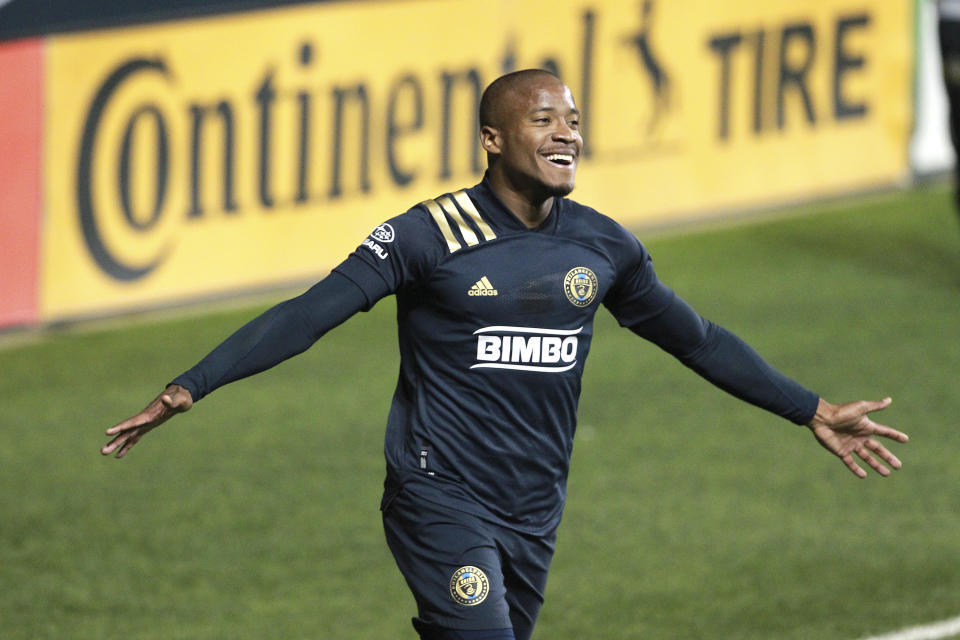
column 580, row 285
column 469, row 586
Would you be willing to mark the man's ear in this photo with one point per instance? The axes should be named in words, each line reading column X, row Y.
column 490, row 139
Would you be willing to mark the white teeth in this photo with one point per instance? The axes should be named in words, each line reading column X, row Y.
column 560, row 157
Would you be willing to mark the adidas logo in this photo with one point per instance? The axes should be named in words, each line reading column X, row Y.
column 482, row 288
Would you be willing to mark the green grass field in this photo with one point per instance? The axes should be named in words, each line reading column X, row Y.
column 690, row 515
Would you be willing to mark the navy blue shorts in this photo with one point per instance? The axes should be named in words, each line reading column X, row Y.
column 467, row 573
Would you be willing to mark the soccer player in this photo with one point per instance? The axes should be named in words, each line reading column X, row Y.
column 496, row 287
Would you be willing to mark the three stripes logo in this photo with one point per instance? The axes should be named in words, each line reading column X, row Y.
column 459, row 221
column 483, row 287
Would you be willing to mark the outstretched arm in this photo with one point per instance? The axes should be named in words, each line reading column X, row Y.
column 731, row 364
column 283, row 331
column 652, row 310
column 724, row 359
column 847, row 429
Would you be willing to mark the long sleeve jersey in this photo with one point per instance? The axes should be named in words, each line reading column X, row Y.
column 494, row 323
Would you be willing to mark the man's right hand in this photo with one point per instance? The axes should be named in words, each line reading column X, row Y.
column 174, row 399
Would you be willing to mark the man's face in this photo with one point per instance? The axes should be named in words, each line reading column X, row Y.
column 538, row 139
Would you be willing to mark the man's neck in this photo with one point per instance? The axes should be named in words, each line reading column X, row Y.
column 530, row 209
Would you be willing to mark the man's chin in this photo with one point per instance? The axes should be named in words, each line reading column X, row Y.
column 560, row 190
column 559, row 185
column 542, row 186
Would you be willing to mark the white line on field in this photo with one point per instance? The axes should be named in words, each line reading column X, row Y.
column 933, row 631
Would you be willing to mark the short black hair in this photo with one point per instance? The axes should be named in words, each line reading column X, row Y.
column 491, row 102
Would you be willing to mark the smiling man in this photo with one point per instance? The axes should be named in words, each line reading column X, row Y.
column 497, row 286
column 530, row 128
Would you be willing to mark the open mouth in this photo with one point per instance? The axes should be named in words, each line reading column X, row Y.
column 560, row 159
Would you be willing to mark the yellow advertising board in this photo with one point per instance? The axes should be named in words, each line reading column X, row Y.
column 197, row 157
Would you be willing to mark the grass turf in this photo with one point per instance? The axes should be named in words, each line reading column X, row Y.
column 690, row 515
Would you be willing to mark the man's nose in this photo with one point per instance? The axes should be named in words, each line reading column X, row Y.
column 564, row 132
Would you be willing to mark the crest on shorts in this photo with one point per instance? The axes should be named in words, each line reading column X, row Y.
column 580, row 285
column 469, row 586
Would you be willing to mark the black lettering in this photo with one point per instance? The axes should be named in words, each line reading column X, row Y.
column 303, row 155
column 723, row 45
column 551, row 65
column 108, row 263
column 198, row 115
column 265, row 97
column 162, row 157
column 844, row 63
column 358, row 94
column 472, row 78
column 758, row 85
column 795, row 75
column 586, row 80
column 407, row 85
column 509, row 61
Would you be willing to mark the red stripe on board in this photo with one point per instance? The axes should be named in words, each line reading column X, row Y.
column 21, row 138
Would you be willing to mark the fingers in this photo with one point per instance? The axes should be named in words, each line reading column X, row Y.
column 120, row 441
column 126, row 437
column 130, row 423
column 866, row 457
column 108, row 448
column 174, row 399
column 132, row 440
column 864, row 407
column 123, row 442
column 853, row 466
column 884, row 453
column 128, row 433
column 854, row 411
column 153, row 413
column 874, row 464
column 882, row 431
column 879, row 405
column 863, row 452
column 888, row 432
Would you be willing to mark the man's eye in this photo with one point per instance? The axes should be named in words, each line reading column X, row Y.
column 574, row 123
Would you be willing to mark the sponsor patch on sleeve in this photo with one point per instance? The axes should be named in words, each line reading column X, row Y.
column 382, row 234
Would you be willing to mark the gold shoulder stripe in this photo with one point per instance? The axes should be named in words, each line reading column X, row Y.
column 468, row 235
column 467, row 205
column 442, row 224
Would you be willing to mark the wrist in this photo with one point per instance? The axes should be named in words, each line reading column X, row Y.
column 180, row 396
column 823, row 415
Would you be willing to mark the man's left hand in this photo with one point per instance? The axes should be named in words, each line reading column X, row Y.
column 846, row 429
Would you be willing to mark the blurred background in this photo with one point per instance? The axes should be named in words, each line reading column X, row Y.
column 788, row 164
column 155, row 154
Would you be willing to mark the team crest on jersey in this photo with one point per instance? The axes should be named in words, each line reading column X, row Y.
column 580, row 285
column 469, row 586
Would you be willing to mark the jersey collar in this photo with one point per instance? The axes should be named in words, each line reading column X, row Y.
column 496, row 212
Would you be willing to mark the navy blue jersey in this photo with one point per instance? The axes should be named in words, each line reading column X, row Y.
column 495, row 322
